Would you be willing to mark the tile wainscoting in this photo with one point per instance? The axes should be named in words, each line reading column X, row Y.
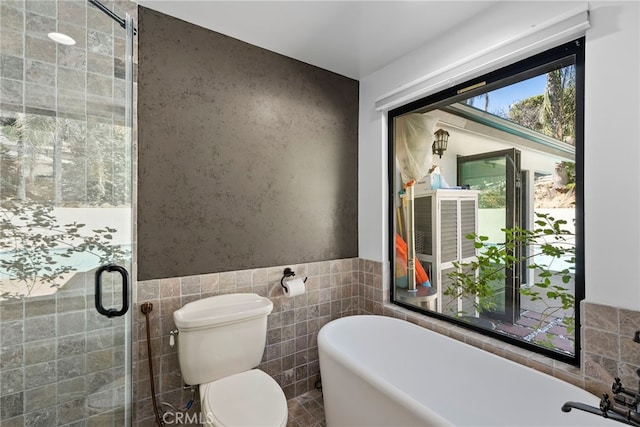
column 291, row 355
column 341, row 288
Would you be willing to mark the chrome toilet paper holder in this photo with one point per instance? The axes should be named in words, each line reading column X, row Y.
column 288, row 273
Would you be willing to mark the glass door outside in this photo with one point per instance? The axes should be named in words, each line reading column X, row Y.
column 497, row 176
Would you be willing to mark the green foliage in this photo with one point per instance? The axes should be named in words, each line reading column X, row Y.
column 492, row 195
column 476, row 280
column 558, row 112
column 554, row 112
column 570, row 167
column 527, row 112
column 40, row 248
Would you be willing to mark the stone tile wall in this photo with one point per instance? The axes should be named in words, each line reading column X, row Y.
column 609, row 349
column 291, row 354
column 60, row 361
column 41, row 77
column 347, row 287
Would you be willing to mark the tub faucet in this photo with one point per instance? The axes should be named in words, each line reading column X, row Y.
column 625, row 408
column 628, row 401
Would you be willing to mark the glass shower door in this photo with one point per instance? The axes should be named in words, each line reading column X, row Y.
column 65, row 211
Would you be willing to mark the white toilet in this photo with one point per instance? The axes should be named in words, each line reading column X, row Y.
column 221, row 340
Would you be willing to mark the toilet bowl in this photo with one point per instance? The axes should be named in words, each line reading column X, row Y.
column 221, row 341
column 249, row 398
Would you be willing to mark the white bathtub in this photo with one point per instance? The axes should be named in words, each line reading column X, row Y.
column 382, row 371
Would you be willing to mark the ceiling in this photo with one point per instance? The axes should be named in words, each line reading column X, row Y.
column 351, row 38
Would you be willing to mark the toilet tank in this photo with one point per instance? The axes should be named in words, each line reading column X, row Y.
column 221, row 335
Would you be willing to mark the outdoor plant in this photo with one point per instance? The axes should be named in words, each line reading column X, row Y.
column 475, row 280
column 35, row 248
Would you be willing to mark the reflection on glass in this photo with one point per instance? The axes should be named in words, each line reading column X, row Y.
column 544, row 103
column 65, row 209
column 488, row 176
column 496, row 243
column 65, row 200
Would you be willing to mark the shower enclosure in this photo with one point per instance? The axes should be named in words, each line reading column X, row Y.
column 66, row 207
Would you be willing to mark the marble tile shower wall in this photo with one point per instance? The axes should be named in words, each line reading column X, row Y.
column 46, row 376
column 61, row 362
column 291, row 354
column 41, row 77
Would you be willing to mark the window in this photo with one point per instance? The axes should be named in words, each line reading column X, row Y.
column 486, row 221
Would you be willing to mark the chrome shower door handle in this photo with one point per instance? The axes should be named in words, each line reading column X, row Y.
column 112, row 312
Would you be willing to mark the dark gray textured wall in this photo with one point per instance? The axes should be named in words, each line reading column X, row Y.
column 246, row 158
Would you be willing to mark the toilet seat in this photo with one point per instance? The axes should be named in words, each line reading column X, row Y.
column 247, row 399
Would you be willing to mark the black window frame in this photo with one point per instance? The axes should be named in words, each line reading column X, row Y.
column 501, row 77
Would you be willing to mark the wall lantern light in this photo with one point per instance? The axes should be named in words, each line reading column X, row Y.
column 440, row 143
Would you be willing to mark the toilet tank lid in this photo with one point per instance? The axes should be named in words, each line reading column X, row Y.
column 221, row 309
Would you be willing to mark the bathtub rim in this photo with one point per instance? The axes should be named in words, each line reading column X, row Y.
column 396, row 393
